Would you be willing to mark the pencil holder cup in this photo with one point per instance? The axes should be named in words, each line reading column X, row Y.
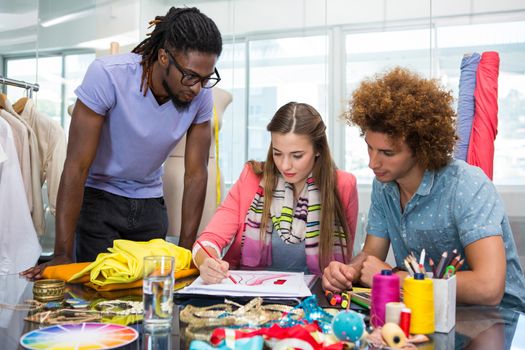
column 445, row 304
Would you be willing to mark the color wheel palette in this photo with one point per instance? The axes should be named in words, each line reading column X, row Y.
column 82, row 336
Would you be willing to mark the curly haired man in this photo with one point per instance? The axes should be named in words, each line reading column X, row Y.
column 423, row 199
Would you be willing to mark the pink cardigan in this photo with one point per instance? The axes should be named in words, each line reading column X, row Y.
column 227, row 224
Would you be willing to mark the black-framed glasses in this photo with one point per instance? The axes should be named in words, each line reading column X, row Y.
column 190, row 79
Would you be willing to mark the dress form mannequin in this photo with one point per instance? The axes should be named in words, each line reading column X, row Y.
column 173, row 178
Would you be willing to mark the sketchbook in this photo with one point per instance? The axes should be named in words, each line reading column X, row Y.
column 274, row 284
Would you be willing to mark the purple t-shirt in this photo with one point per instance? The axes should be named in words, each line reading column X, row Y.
column 138, row 133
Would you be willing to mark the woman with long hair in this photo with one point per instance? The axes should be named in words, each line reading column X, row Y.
column 293, row 212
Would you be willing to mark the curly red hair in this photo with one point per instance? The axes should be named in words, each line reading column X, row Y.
column 408, row 108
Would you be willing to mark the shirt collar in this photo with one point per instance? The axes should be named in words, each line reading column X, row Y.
column 426, row 184
column 424, row 187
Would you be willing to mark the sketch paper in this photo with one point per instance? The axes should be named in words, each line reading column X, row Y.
column 254, row 283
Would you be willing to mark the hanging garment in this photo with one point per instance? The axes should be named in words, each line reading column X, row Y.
column 3, row 155
column 37, row 209
column 467, row 84
column 19, row 246
column 51, row 148
column 21, row 139
column 485, row 124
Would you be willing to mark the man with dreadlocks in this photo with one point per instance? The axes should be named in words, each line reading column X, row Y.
column 131, row 111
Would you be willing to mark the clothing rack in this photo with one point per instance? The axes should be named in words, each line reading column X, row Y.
column 21, row 84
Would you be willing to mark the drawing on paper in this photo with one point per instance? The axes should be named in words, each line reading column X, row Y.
column 254, row 283
column 258, row 279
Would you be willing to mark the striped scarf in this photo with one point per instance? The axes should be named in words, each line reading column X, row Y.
column 293, row 225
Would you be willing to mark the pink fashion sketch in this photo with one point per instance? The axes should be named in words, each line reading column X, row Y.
column 258, row 279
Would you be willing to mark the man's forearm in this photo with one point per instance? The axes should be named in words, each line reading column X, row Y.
column 475, row 289
column 192, row 206
column 69, row 202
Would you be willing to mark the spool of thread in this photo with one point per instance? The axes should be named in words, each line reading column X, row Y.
column 393, row 335
column 404, row 321
column 419, row 297
column 385, row 289
column 393, row 311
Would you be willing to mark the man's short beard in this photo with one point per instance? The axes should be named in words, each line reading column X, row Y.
column 180, row 105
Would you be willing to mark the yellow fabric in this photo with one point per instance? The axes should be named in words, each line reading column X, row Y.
column 66, row 271
column 124, row 262
column 137, row 284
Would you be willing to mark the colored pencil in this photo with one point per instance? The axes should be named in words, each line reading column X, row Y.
column 456, row 260
column 432, row 267
column 451, row 257
column 408, row 267
column 422, row 257
column 460, row 263
column 413, row 262
column 440, row 268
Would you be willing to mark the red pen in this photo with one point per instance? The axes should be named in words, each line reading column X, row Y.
column 214, row 258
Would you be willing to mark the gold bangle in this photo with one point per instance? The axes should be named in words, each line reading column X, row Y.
column 49, row 290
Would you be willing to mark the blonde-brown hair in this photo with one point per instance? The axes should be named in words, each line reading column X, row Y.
column 407, row 108
column 303, row 119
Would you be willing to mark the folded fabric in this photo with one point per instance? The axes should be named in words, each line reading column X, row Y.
column 137, row 284
column 124, row 262
column 66, row 271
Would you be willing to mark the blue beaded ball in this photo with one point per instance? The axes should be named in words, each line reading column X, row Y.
column 348, row 326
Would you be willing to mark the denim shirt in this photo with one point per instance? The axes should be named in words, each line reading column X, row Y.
column 452, row 208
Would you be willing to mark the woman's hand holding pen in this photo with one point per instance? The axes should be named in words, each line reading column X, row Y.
column 213, row 270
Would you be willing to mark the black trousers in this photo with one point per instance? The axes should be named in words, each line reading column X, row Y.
column 105, row 217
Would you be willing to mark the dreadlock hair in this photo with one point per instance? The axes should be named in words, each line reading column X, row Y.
column 184, row 29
